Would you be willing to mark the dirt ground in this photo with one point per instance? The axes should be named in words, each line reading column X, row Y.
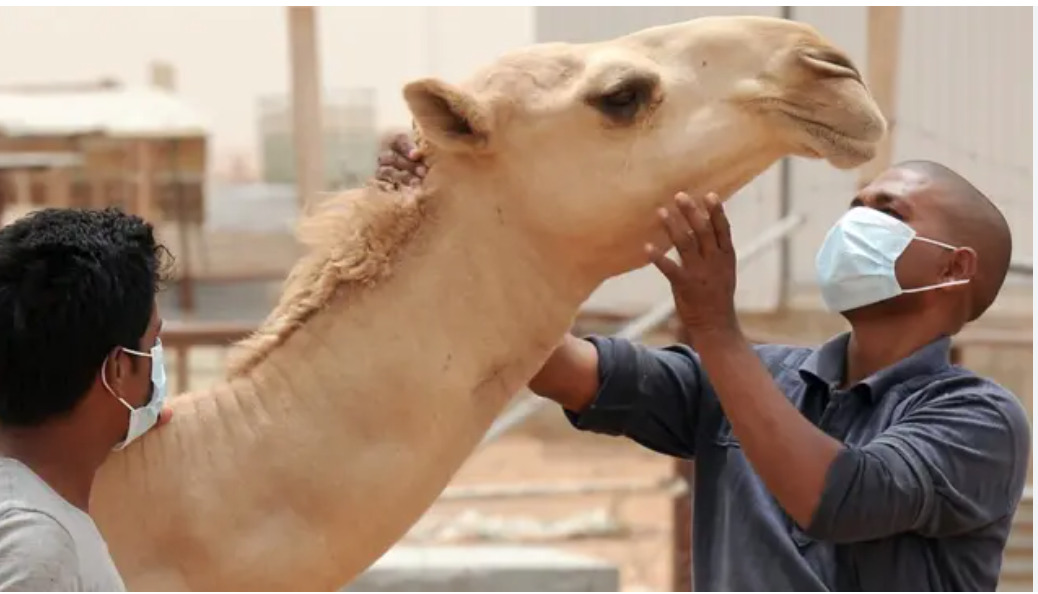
column 641, row 544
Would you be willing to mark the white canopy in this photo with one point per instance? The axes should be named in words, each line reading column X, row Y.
column 129, row 112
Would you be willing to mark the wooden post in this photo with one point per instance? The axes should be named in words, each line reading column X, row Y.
column 22, row 181
column 884, row 50
column 183, row 369
column 145, row 198
column 306, row 102
column 164, row 76
column 58, row 188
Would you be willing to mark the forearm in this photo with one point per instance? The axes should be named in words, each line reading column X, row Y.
column 570, row 375
column 612, row 386
column 791, row 455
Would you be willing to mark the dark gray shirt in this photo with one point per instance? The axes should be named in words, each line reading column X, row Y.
column 921, row 498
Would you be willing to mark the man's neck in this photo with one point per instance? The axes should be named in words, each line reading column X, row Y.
column 879, row 343
column 66, row 467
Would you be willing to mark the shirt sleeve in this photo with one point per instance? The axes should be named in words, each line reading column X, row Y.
column 650, row 395
column 37, row 554
column 952, row 465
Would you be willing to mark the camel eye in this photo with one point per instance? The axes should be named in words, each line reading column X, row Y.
column 621, row 98
column 624, row 102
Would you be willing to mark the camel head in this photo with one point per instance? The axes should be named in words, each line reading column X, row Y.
column 581, row 141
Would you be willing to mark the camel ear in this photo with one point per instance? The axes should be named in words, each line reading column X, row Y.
column 448, row 117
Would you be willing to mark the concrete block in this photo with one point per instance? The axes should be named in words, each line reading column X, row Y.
column 489, row 568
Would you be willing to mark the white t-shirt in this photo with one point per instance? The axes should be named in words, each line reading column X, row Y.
column 46, row 543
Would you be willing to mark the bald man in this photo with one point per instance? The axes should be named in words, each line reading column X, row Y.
column 869, row 463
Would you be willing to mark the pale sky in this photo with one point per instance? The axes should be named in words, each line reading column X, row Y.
column 227, row 57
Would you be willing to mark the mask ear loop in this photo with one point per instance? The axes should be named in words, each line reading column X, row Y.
column 104, row 376
column 935, row 242
column 952, row 283
column 104, row 380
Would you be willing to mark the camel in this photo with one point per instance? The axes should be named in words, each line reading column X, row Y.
column 416, row 314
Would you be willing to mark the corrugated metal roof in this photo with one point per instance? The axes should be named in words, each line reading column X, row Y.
column 118, row 112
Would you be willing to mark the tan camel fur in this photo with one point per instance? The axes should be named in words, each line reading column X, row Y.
column 417, row 314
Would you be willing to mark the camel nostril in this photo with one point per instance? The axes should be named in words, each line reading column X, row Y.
column 831, row 62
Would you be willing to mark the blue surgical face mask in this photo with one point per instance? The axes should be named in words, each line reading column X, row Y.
column 856, row 264
column 144, row 418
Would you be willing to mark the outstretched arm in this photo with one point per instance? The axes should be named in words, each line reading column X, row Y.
column 616, row 387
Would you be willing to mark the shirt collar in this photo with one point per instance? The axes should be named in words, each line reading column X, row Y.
column 827, row 363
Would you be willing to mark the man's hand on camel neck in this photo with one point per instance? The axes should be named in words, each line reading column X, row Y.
column 400, row 162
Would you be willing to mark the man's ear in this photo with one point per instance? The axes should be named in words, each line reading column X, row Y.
column 114, row 370
column 962, row 265
column 448, row 117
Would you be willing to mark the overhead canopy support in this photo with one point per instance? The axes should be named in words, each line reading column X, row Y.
column 306, row 102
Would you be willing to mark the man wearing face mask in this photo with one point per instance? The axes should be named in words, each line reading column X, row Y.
column 81, row 374
column 870, row 463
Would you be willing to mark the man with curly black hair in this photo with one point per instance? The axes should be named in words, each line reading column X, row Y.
column 81, row 374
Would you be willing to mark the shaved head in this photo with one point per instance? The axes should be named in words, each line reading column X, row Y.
column 971, row 220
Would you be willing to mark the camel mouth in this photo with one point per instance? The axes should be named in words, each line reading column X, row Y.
column 837, row 146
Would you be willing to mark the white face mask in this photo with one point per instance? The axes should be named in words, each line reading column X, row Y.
column 856, row 264
column 144, row 418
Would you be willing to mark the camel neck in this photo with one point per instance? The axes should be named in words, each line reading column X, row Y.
column 470, row 292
